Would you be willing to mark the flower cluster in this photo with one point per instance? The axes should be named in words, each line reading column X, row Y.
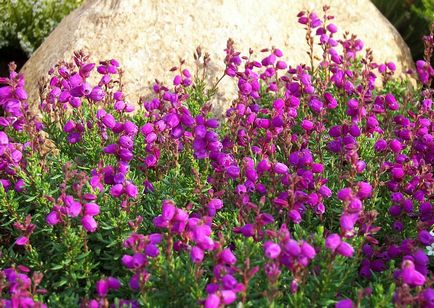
column 315, row 188
column 20, row 287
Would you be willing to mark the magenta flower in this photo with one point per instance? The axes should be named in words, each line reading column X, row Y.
column 271, row 250
column 226, row 256
column 102, row 287
column 345, row 303
column 307, row 125
column 397, row 173
column 410, row 275
column 333, row 241
column 425, row 237
column 89, row 223
column 307, row 250
column 131, row 190
column 233, row 171
column 345, row 194
column 295, row 216
column 73, row 207
column 345, row 249
column 348, row 221
column 117, row 190
column 196, row 255
column 168, row 210
column 91, row 209
column 113, row 283
column 263, row 165
column 228, row 296
column 212, row 301
column 109, row 121
column 332, row 28
column 22, row 241
column 364, row 190
column 380, row 145
column 53, row 218
column 280, row 168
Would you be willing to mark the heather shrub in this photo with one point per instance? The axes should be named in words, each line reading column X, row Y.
column 315, row 188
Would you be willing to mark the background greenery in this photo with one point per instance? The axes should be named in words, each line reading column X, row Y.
column 412, row 18
column 24, row 24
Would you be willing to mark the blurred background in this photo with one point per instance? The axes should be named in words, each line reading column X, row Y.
column 25, row 23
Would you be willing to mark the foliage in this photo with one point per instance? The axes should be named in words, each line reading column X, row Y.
column 412, row 19
column 26, row 23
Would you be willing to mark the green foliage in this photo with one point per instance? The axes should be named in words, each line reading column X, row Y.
column 411, row 18
column 26, row 23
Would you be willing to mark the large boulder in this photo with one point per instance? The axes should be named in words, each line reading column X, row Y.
column 149, row 36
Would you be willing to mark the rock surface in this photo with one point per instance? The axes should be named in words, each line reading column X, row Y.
column 148, row 36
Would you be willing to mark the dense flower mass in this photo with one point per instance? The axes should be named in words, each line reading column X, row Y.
column 315, row 189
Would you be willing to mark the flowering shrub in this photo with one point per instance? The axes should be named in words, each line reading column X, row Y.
column 315, row 189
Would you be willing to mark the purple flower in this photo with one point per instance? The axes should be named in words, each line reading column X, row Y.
column 317, row 168
column 196, row 255
column 345, row 194
column 113, row 283
column 307, row 125
column 280, row 168
column 426, row 297
column 332, row 28
column 307, row 250
column 109, row 121
column 355, row 206
column 325, row 191
column 425, row 238
column 228, row 296
column 97, row 94
column 344, row 303
column 117, row 190
column 295, row 216
column 91, row 209
column 126, row 142
column 397, row 173
column 364, row 190
column 333, row 241
column 226, row 256
column 293, row 248
column 420, row 258
column 52, row 218
column 131, row 190
column 233, row 171
column 360, row 166
column 74, row 207
column 152, row 250
column 345, row 249
column 410, row 275
column 102, row 287
column 212, row 301
column 89, row 223
column 271, row 250
column 263, row 165
column 348, row 221
column 380, row 145
column 19, row 185
column 246, row 230
column 395, row 146
column 168, row 210
column 22, row 241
